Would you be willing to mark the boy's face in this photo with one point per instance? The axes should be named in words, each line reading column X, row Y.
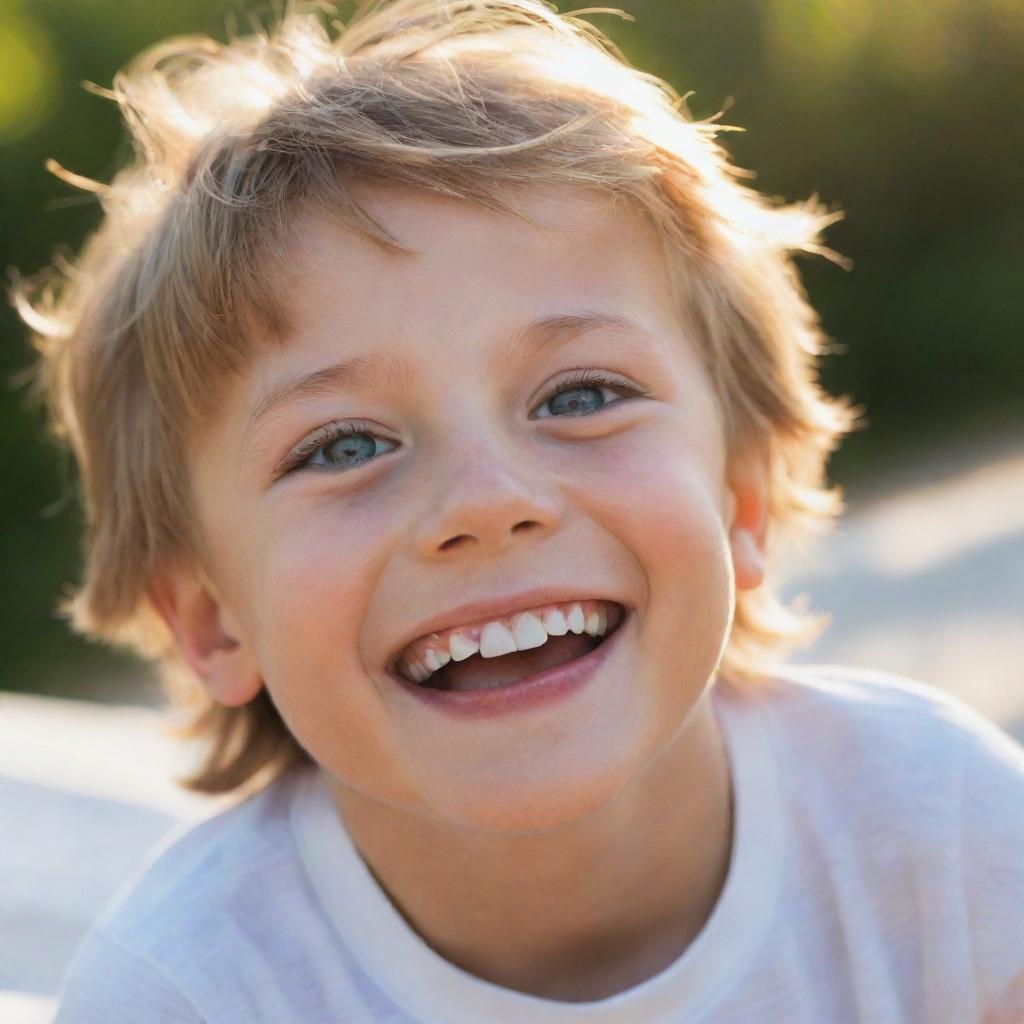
column 470, row 487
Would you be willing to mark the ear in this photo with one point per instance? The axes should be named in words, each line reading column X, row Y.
column 748, row 501
column 207, row 634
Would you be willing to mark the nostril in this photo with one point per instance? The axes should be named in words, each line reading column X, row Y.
column 526, row 524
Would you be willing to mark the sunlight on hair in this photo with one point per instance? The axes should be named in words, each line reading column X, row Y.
column 473, row 99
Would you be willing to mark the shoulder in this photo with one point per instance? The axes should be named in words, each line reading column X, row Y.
column 884, row 719
column 991, row 844
column 202, row 863
column 858, row 746
column 919, row 771
column 891, row 737
column 109, row 984
column 867, row 692
column 193, row 895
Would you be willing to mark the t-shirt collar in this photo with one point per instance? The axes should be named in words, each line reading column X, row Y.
column 435, row 990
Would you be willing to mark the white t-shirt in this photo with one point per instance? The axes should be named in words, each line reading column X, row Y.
column 876, row 877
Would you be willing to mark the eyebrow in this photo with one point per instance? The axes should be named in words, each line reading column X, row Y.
column 365, row 371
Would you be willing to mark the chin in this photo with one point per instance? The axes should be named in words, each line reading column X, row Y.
column 544, row 805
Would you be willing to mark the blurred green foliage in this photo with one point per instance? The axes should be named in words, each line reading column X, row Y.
column 907, row 114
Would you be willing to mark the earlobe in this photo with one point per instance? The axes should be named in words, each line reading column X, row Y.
column 748, row 488
column 207, row 635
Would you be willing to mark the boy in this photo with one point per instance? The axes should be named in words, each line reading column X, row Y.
column 439, row 396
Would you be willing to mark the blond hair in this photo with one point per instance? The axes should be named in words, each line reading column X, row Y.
column 470, row 98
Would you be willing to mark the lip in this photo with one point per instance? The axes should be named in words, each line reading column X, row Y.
column 497, row 608
column 536, row 691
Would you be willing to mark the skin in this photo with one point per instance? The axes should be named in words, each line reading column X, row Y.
column 569, row 852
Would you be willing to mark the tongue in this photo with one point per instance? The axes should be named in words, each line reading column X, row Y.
column 476, row 673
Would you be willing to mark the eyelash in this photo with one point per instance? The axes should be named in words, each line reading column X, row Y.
column 331, row 432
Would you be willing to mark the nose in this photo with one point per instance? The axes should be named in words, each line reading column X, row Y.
column 486, row 496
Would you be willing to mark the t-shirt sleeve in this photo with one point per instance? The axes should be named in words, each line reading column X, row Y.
column 108, row 984
column 992, row 837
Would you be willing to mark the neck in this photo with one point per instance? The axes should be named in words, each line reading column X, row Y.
column 578, row 913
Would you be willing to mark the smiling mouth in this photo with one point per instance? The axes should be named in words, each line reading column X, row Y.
column 478, row 673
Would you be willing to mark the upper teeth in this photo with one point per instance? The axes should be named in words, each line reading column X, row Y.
column 519, row 632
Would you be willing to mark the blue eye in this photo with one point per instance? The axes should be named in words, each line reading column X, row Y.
column 577, row 387
column 336, row 446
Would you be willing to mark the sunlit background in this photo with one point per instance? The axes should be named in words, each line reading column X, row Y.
column 907, row 114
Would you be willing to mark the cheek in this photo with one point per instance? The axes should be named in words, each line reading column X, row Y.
column 319, row 574
column 316, row 571
column 660, row 497
column 656, row 488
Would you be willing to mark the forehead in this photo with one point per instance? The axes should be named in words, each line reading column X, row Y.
column 474, row 273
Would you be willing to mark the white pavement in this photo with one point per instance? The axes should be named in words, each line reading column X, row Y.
column 927, row 581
